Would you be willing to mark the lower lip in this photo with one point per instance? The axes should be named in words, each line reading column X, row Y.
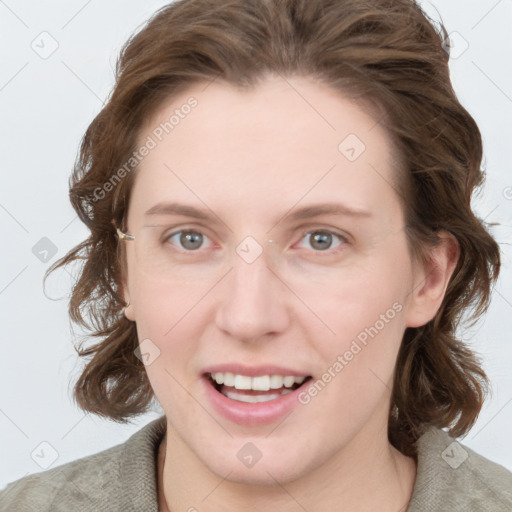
column 245, row 413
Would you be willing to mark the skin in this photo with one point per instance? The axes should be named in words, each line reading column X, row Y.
column 252, row 157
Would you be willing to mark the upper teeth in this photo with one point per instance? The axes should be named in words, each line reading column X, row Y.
column 260, row 383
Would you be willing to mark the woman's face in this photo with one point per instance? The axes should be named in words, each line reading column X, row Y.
column 296, row 269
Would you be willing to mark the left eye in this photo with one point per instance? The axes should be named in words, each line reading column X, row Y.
column 322, row 240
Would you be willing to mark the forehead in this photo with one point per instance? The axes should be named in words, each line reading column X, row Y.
column 281, row 142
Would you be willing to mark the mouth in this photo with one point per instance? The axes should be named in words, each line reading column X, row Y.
column 257, row 389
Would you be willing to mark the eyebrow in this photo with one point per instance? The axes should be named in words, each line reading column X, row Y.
column 305, row 212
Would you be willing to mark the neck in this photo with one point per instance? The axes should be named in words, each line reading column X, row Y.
column 370, row 474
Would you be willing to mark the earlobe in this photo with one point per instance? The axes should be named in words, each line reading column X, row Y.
column 128, row 310
column 432, row 281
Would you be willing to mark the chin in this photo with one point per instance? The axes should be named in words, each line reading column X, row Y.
column 274, row 467
column 269, row 475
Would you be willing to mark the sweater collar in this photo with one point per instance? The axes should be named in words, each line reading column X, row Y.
column 138, row 467
column 139, row 472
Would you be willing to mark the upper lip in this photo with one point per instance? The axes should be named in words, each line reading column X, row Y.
column 254, row 371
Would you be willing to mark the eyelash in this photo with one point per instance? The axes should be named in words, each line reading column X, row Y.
column 327, row 252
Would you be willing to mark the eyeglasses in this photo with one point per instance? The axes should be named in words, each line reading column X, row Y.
column 160, row 259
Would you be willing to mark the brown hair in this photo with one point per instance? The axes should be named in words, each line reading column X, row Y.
column 386, row 51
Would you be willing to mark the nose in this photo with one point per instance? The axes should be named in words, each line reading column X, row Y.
column 253, row 301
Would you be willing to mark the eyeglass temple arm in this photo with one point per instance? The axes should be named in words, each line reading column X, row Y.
column 124, row 236
column 121, row 234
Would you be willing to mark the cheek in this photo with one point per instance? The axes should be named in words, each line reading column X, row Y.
column 161, row 307
column 363, row 321
column 167, row 322
column 358, row 300
column 367, row 339
column 167, row 327
column 357, row 363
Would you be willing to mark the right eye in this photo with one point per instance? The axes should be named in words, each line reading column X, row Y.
column 187, row 240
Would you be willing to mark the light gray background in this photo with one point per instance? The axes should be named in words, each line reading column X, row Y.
column 46, row 105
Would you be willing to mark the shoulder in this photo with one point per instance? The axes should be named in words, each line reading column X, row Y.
column 113, row 479
column 453, row 477
column 66, row 485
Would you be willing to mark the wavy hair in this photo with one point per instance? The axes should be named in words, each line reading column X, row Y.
column 386, row 51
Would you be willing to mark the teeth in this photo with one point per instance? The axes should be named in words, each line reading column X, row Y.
column 229, row 379
column 276, row 382
column 260, row 383
column 289, row 381
column 254, row 399
column 242, row 382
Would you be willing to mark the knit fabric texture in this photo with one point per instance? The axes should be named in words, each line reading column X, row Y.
column 450, row 477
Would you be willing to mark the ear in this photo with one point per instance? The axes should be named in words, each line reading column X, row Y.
column 129, row 309
column 431, row 281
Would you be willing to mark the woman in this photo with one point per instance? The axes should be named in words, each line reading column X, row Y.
column 281, row 249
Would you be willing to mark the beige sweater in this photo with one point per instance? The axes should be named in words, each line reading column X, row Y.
column 450, row 478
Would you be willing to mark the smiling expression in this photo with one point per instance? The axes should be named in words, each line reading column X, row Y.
column 268, row 237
